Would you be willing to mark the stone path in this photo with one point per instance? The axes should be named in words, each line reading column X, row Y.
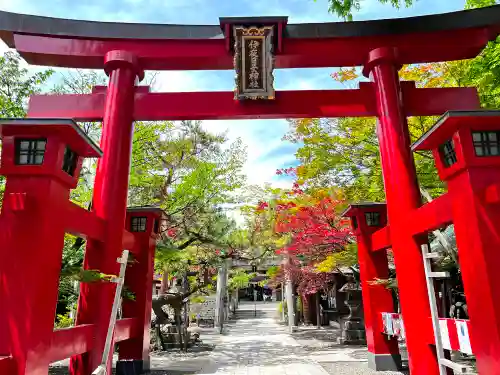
column 259, row 345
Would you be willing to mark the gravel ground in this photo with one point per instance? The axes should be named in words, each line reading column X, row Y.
column 335, row 359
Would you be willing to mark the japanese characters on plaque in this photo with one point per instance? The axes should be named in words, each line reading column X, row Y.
column 253, row 62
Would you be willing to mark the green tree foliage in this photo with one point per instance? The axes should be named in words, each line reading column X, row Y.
column 484, row 71
column 191, row 174
column 257, row 240
column 345, row 8
column 343, row 152
column 17, row 83
column 470, row 4
column 239, row 279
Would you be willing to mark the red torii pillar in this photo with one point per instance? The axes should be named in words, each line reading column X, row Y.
column 403, row 198
column 110, row 202
column 366, row 219
column 144, row 223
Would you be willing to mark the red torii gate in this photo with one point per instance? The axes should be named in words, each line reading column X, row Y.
column 124, row 51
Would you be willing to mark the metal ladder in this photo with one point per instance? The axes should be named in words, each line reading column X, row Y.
column 429, row 277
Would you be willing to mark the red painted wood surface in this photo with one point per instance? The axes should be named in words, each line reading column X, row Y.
column 109, row 203
column 403, row 197
column 70, row 341
column 83, row 223
column 373, row 263
column 7, row 365
column 46, row 200
column 126, row 328
column 431, row 216
column 35, row 242
column 211, row 54
column 288, row 104
column 381, row 239
column 139, row 279
column 376, row 298
column 477, row 230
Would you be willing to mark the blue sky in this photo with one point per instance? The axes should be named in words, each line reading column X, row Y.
column 266, row 150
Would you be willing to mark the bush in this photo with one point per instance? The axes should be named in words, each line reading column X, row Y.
column 281, row 306
column 197, row 299
column 63, row 321
column 299, row 304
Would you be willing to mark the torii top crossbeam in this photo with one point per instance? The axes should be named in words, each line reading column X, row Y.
column 83, row 44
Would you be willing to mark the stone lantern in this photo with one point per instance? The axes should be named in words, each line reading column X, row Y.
column 353, row 329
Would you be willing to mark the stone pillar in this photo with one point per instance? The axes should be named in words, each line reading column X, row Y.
column 283, row 302
column 290, row 301
column 220, row 293
column 318, row 309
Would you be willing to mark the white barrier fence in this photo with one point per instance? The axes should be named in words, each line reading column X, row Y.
column 454, row 332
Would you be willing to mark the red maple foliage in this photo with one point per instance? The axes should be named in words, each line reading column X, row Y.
column 172, row 233
column 316, row 230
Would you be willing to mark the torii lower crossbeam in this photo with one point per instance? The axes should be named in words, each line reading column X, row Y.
column 222, row 106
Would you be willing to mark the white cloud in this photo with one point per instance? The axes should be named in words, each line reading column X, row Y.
column 175, row 81
column 260, row 141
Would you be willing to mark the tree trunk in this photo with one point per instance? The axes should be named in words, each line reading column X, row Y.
column 318, row 310
column 159, row 338
column 306, row 311
column 172, row 299
column 186, row 305
column 283, row 301
column 164, row 283
column 180, row 333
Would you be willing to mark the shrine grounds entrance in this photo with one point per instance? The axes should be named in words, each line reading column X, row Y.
column 36, row 202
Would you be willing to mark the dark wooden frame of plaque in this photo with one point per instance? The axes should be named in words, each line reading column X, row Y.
column 265, row 36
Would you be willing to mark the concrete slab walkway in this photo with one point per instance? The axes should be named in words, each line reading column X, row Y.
column 256, row 344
